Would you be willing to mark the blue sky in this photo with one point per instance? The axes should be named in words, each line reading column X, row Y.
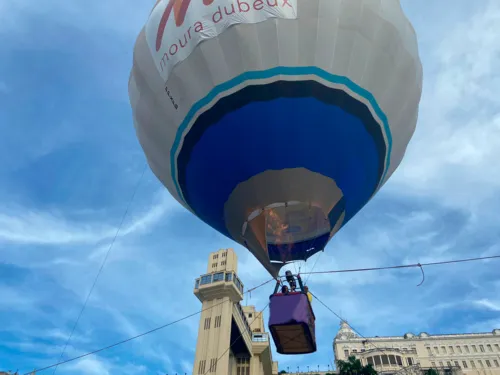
column 71, row 160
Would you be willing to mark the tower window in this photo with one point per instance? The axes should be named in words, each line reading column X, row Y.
column 213, row 365
column 201, row 367
column 207, row 323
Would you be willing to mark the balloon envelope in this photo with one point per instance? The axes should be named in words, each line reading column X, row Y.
column 275, row 121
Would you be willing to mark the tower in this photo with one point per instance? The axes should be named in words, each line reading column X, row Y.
column 231, row 338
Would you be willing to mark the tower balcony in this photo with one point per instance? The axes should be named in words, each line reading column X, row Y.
column 217, row 285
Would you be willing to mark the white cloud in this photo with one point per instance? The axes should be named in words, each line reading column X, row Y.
column 22, row 225
column 89, row 366
column 149, row 276
column 452, row 156
column 491, row 305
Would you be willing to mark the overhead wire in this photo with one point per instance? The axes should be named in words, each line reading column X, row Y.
column 354, row 329
column 413, row 265
column 260, row 285
column 312, row 269
column 102, row 265
column 139, row 335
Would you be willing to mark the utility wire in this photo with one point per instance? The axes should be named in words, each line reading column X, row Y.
column 405, row 265
column 139, row 335
column 354, row 329
column 262, row 284
column 102, row 265
column 312, row 269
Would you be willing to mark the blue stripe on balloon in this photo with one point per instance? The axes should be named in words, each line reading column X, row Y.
column 265, row 74
column 242, row 144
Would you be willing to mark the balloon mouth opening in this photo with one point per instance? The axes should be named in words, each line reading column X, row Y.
column 281, row 226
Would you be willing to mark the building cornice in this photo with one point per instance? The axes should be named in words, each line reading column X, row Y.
column 422, row 337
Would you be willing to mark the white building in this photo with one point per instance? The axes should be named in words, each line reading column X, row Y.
column 469, row 353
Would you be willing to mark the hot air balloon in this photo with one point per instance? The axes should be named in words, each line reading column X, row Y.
column 275, row 121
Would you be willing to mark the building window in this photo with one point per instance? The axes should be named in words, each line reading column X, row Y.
column 201, row 367
column 229, row 276
column 346, row 353
column 497, row 347
column 362, row 350
column 410, row 361
column 214, row 265
column 392, row 360
column 354, row 350
column 224, row 255
column 399, row 360
column 429, row 351
column 456, row 364
column 480, row 363
column 450, row 348
column 217, row 321
column 489, row 347
column 197, row 284
column 459, row 349
column 488, row 363
column 250, row 315
column 207, row 323
column 370, row 360
column 443, row 349
column 219, row 276
column 472, row 364
column 377, row 360
column 448, row 363
column 441, row 364
column 433, row 364
column 207, row 279
column 481, row 347
column 243, row 366
column 474, row 348
column 385, row 360
column 464, row 363
column 467, row 349
column 213, row 365
column 495, row 362
column 436, row 350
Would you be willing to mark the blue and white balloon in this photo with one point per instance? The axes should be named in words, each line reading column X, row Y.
column 275, row 121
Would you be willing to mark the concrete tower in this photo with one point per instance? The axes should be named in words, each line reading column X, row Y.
column 231, row 338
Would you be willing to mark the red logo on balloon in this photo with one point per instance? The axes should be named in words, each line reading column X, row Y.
column 179, row 7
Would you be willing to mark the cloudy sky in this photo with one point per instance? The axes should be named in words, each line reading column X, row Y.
column 70, row 163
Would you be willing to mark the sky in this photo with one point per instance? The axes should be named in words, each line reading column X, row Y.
column 71, row 163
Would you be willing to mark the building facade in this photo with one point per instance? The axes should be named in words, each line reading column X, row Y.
column 467, row 354
column 232, row 339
